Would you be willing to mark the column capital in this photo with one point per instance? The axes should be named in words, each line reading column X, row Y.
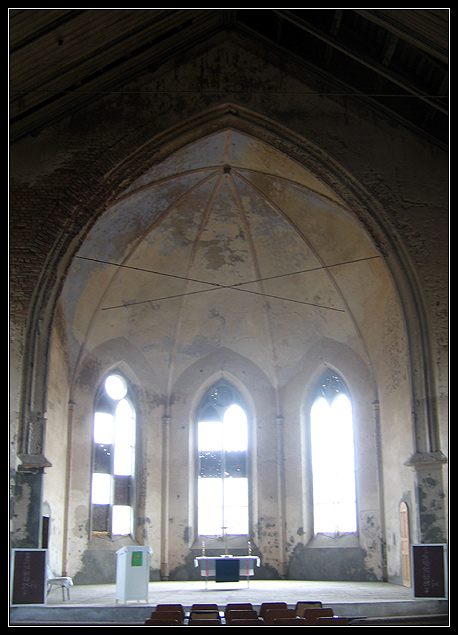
column 426, row 460
column 32, row 463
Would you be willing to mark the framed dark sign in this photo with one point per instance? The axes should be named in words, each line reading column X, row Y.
column 28, row 576
column 429, row 564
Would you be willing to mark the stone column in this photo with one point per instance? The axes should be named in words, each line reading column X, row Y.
column 29, row 484
column 165, row 497
column 281, row 496
column 431, row 496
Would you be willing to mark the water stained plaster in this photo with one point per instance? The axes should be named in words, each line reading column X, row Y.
column 225, row 257
column 226, row 207
column 222, row 213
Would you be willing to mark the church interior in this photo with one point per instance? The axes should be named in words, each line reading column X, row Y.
column 228, row 291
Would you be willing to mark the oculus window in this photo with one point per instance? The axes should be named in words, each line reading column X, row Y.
column 113, row 458
column 222, row 447
column 333, row 458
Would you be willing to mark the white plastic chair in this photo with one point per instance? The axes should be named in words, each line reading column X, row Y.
column 64, row 582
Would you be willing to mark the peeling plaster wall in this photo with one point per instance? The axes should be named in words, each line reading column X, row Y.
column 303, row 546
column 89, row 167
column 92, row 559
column 257, row 392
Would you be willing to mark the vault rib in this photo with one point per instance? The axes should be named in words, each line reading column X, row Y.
column 265, row 304
column 325, row 268
column 181, row 310
column 119, row 269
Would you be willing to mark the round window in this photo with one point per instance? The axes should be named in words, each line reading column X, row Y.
column 116, row 387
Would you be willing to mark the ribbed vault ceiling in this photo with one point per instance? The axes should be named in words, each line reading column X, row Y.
column 227, row 244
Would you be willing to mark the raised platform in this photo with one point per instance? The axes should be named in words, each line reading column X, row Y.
column 368, row 603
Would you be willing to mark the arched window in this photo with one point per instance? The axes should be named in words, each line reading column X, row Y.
column 113, row 459
column 222, row 447
column 333, row 460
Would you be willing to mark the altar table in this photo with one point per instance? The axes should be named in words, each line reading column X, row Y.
column 227, row 568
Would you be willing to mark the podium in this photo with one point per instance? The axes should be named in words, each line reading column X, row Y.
column 132, row 573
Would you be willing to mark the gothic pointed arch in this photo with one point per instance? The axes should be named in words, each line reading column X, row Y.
column 339, row 187
column 113, row 458
column 223, row 478
column 333, row 457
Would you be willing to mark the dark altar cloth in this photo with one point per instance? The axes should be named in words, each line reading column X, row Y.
column 227, row 570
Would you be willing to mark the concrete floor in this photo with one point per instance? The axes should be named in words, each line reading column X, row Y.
column 96, row 605
column 256, row 592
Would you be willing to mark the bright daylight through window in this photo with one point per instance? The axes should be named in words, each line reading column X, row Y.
column 333, row 462
column 222, row 487
column 113, row 460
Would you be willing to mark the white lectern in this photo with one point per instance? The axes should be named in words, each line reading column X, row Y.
column 132, row 573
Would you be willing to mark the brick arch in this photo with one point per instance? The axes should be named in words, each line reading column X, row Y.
column 99, row 185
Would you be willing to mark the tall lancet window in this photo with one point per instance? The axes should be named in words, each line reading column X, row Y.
column 222, row 446
column 333, row 458
column 113, row 459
